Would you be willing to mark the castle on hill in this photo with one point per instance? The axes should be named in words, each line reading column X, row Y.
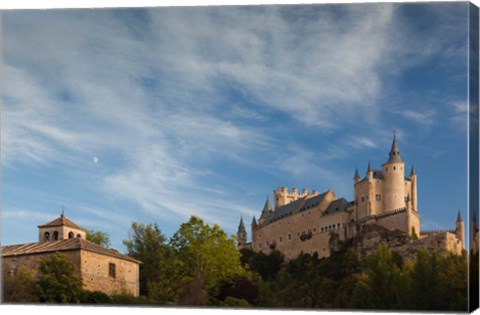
column 305, row 221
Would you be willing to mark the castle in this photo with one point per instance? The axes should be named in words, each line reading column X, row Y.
column 305, row 221
column 100, row 268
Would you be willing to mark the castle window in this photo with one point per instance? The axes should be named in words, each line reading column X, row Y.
column 280, row 239
column 71, row 235
column 289, row 236
column 338, row 225
column 55, row 235
column 363, row 198
column 394, row 168
column 321, row 230
column 79, row 236
column 377, row 197
column 111, row 270
column 47, row 236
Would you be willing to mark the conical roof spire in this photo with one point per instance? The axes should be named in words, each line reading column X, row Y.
column 369, row 167
column 412, row 172
column 394, row 155
column 241, row 226
column 254, row 221
column 356, row 174
column 267, row 208
column 459, row 217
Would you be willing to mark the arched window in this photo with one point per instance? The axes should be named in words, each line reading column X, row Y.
column 79, row 236
column 71, row 235
column 55, row 235
column 47, row 236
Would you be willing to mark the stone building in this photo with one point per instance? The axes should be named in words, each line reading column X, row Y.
column 101, row 269
column 305, row 221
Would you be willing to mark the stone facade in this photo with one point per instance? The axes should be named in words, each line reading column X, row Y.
column 306, row 221
column 101, row 269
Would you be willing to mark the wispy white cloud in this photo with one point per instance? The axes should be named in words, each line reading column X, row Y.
column 425, row 117
column 153, row 91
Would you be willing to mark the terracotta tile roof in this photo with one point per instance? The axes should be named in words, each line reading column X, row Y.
column 62, row 221
column 59, row 246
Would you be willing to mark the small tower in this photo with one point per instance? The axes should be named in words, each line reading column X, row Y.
column 413, row 179
column 60, row 229
column 254, row 222
column 369, row 171
column 459, row 229
column 356, row 177
column 267, row 209
column 241, row 235
column 394, row 180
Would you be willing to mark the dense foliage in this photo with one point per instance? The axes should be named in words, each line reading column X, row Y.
column 58, row 280
column 199, row 265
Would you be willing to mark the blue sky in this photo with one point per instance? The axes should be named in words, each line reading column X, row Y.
column 153, row 115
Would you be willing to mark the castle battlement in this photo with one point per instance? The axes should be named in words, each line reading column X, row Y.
column 384, row 197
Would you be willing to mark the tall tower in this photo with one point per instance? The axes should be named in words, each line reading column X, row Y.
column 241, row 235
column 459, row 229
column 413, row 179
column 394, row 180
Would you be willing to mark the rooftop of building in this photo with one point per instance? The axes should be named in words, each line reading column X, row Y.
column 61, row 221
column 61, row 246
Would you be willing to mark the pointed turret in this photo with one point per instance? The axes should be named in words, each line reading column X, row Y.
column 254, row 221
column 241, row 226
column 459, row 217
column 369, row 167
column 356, row 176
column 241, row 235
column 412, row 172
column 394, row 155
column 267, row 209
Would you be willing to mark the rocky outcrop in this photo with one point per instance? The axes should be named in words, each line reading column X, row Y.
column 370, row 236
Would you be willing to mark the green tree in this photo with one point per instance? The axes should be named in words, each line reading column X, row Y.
column 380, row 286
column 97, row 237
column 58, row 280
column 267, row 266
column 206, row 254
column 19, row 287
column 147, row 244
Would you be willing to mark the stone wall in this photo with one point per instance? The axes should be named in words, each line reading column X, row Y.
column 93, row 269
column 96, row 277
column 11, row 264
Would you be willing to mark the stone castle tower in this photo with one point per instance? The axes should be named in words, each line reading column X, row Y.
column 388, row 191
column 459, row 229
column 241, row 235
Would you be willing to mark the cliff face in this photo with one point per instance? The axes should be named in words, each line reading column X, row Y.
column 370, row 236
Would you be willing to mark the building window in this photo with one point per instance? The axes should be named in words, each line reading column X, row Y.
column 47, row 236
column 55, row 235
column 280, row 239
column 71, row 235
column 363, row 198
column 321, row 230
column 289, row 236
column 79, row 236
column 377, row 197
column 111, row 270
